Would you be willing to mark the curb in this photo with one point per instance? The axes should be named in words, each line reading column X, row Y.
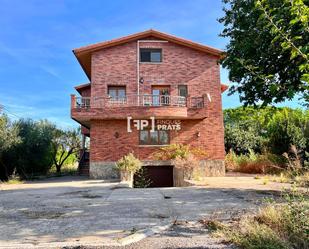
column 142, row 234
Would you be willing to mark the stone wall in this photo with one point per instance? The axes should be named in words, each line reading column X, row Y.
column 107, row 170
column 212, row 168
column 103, row 170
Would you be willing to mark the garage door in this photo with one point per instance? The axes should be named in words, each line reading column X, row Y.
column 160, row 176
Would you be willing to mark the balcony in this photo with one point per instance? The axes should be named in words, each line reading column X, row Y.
column 84, row 109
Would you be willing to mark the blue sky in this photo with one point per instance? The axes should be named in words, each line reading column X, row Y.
column 37, row 67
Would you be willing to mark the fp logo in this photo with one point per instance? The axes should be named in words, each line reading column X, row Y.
column 140, row 124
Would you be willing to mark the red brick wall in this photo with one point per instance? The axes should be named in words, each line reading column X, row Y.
column 110, row 140
column 181, row 65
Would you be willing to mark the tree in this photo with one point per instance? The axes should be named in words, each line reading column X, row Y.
column 8, row 134
column 32, row 156
column 64, row 144
column 299, row 14
column 288, row 128
column 241, row 140
column 267, row 55
column 8, row 138
column 271, row 129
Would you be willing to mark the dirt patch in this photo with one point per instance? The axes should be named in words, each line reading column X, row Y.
column 42, row 214
column 80, row 192
column 90, row 196
column 118, row 187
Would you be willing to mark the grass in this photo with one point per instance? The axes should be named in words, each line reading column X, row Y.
column 254, row 163
column 265, row 180
column 69, row 169
column 300, row 179
column 275, row 226
column 14, row 181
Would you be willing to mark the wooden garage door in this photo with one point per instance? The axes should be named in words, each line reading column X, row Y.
column 160, row 176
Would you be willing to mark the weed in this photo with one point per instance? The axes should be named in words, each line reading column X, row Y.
column 15, row 181
column 254, row 163
column 265, row 180
column 283, row 225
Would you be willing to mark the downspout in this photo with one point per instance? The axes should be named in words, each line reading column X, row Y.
column 137, row 70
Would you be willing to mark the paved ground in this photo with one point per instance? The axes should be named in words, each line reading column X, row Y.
column 191, row 235
column 76, row 211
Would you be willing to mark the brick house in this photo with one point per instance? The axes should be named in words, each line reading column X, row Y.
column 171, row 82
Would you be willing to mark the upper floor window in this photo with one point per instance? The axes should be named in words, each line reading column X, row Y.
column 117, row 93
column 183, row 90
column 150, row 55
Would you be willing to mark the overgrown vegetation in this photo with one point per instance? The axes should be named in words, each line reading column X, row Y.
column 129, row 163
column 183, row 156
column 32, row 148
column 266, row 140
column 178, row 150
column 70, row 167
column 255, row 163
column 300, row 179
column 276, row 225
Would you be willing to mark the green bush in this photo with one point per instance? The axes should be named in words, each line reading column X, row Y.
column 141, row 178
column 129, row 163
column 242, row 140
column 287, row 127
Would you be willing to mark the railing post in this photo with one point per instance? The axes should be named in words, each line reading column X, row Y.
column 205, row 100
column 188, row 98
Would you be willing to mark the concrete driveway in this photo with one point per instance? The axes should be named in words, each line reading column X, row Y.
column 77, row 211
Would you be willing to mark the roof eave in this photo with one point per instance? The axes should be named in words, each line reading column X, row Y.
column 83, row 54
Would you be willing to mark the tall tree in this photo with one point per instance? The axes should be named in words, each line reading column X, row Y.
column 268, row 51
column 8, row 138
column 64, row 143
column 33, row 155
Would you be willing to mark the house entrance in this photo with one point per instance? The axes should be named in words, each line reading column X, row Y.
column 159, row 176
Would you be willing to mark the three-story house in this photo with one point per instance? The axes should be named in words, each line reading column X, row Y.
column 149, row 90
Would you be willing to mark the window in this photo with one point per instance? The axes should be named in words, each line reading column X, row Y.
column 183, row 90
column 160, row 95
column 150, row 55
column 146, row 137
column 117, row 93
